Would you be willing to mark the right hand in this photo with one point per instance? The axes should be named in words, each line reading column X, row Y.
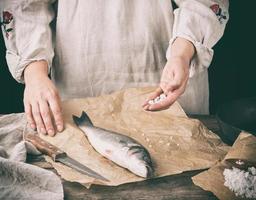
column 175, row 75
column 41, row 100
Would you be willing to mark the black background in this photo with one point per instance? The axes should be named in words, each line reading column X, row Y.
column 232, row 72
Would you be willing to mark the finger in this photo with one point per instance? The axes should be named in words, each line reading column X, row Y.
column 46, row 116
column 179, row 77
column 173, row 84
column 29, row 116
column 145, row 107
column 38, row 119
column 152, row 96
column 166, row 103
column 54, row 103
column 170, row 87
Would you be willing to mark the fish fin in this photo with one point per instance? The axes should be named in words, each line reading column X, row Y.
column 82, row 120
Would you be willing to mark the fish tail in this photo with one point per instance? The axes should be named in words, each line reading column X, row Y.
column 82, row 120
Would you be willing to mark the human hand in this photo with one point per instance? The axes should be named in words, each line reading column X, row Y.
column 41, row 100
column 174, row 77
column 173, row 83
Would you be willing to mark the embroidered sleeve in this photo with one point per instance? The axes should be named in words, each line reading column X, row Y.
column 27, row 33
column 7, row 23
column 202, row 22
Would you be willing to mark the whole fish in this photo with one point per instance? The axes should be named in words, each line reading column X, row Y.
column 121, row 149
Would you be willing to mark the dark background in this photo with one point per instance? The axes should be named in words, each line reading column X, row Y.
column 232, row 72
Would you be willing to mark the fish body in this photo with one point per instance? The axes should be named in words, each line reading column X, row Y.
column 121, row 149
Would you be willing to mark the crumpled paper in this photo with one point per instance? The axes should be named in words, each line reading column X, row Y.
column 175, row 142
column 213, row 179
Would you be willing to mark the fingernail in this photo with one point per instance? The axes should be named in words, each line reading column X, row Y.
column 145, row 103
column 50, row 132
column 33, row 126
column 146, row 107
column 42, row 130
column 59, row 128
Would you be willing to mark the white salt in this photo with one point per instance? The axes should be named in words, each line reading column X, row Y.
column 162, row 96
column 157, row 99
column 151, row 102
column 242, row 183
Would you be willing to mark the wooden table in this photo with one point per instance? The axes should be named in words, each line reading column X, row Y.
column 178, row 187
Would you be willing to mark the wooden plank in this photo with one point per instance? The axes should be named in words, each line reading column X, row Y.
column 178, row 187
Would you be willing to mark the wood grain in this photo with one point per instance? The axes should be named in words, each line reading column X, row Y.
column 172, row 187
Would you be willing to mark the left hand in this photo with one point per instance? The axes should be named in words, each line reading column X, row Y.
column 174, row 77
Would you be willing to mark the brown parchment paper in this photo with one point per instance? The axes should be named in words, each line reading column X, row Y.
column 175, row 143
column 213, row 179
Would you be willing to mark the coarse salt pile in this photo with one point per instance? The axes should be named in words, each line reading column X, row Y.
column 242, row 183
column 157, row 99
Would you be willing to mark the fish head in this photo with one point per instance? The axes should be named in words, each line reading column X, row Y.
column 140, row 161
column 142, row 169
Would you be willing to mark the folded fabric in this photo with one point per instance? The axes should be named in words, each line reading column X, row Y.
column 19, row 180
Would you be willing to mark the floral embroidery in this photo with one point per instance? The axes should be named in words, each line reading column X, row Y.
column 218, row 12
column 7, row 23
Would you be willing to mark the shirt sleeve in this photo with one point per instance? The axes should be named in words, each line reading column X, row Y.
column 202, row 22
column 27, row 33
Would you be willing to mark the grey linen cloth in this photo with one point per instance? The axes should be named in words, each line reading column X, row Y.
column 19, row 180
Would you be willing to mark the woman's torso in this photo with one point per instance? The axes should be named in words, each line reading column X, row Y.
column 104, row 46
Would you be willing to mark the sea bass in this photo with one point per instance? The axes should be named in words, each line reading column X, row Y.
column 121, row 149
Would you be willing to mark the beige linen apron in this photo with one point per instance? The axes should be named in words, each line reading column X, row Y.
column 107, row 45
